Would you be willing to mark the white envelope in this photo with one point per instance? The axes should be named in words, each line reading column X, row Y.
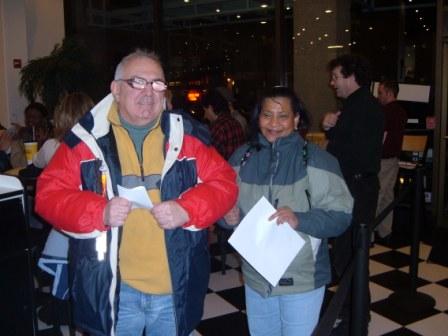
column 268, row 247
column 138, row 196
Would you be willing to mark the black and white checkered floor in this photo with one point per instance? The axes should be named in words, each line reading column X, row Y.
column 224, row 305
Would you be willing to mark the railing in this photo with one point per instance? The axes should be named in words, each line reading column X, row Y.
column 357, row 272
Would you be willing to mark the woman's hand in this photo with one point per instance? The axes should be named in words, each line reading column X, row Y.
column 233, row 216
column 286, row 215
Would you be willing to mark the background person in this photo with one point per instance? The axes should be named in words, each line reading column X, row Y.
column 36, row 129
column 157, row 261
column 309, row 191
column 69, row 110
column 54, row 256
column 395, row 119
column 355, row 135
column 227, row 133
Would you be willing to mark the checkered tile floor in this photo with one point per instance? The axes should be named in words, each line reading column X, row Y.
column 224, row 304
column 225, row 310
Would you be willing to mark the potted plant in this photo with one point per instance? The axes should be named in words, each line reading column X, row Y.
column 68, row 68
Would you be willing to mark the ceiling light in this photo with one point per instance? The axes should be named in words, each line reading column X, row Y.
column 218, row 10
column 264, row 6
column 325, row 35
column 347, row 30
column 336, row 46
column 288, row 8
column 317, row 18
column 186, row 1
column 263, row 22
column 238, row 16
column 328, row 11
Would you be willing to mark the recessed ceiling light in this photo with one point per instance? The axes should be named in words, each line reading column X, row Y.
column 263, row 5
column 263, row 22
column 218, row 10
column 288, row 8
column 238, row 16
column 328, row 11
column 186, row 1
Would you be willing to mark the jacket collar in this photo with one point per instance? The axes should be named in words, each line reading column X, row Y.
column 293, row 139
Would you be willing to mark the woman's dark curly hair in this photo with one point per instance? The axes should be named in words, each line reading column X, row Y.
column 296, row 105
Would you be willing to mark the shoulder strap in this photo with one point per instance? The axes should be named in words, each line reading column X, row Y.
column 248, row 153
column 305, row 153
column 305, row 157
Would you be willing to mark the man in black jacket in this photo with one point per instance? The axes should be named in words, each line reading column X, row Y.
column 355, row 135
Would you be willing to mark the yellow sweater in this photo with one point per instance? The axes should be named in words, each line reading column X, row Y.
column 142, row 257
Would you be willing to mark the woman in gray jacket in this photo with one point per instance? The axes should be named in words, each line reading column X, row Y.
column 305, row 184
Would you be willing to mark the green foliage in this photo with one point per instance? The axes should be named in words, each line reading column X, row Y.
column 68, row 68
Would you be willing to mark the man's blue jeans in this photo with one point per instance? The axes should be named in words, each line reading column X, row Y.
column 284, row 315
column 138, row 311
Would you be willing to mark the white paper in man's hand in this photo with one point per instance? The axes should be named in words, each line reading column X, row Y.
column 268, row 247
column 138, row 196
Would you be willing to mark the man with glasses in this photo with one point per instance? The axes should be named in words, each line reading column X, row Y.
column 134, row 268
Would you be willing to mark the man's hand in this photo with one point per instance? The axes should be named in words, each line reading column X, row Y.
column 116, row 211
column 170, row 215
column 285, row 215
column 330, row 120
column 233, row 216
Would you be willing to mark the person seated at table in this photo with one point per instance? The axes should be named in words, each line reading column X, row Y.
column 305, row 185
column 67, row 113
column 37, row 128
column 5, row 143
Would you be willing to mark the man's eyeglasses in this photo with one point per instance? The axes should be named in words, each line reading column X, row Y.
column 139, row 83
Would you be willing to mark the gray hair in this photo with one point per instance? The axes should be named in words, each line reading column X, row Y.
column 138, row 53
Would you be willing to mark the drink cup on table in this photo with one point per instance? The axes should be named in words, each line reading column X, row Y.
column 30, row 150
